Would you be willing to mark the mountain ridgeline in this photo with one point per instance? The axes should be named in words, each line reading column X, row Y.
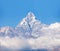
column 27, row 28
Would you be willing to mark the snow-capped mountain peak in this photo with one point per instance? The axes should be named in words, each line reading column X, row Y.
column 30, row 18
column 30, row 15
column 29, row 25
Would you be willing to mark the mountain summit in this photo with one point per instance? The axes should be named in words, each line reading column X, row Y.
column 30, row 15
column 29, row 18
column 29, row 26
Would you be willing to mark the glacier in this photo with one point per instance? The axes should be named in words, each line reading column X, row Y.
column 30, row 33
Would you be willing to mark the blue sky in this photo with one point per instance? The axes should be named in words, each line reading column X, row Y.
column 13, row 11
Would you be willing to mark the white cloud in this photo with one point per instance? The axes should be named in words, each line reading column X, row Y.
column 49, row 39
column 44, row 42
column 55, row 25
column 13, row 43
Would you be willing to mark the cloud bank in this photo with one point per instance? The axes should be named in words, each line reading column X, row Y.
column 49, row 39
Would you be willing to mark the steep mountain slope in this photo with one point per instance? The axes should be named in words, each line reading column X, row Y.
column 7, row 31
column 29, row 26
